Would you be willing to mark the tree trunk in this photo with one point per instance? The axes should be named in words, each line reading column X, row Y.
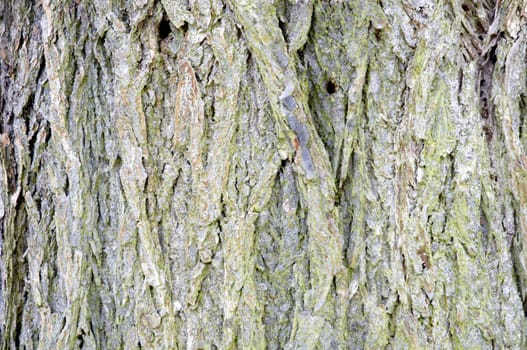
column 251, row 174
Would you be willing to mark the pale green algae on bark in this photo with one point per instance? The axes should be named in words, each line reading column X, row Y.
column 253, row 174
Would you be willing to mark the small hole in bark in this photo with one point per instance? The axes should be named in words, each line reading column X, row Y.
column 377, row 33
column 123, row 16
column 184, row 28
column 331, row 88
column 164, row 28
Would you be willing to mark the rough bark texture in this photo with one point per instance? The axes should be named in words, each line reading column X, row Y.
column 251, row 174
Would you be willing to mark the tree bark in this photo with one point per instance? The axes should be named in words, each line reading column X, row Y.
column 251, row 174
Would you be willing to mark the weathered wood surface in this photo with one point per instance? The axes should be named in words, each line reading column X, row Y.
column 251, row 174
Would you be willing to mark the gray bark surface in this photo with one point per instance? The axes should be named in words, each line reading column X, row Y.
column 252, row 174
